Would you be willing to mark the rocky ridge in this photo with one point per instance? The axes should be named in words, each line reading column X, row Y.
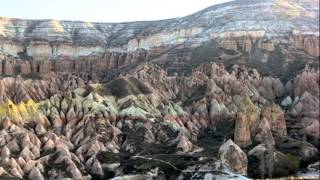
column 279, row 35
column 90, row 131
column 230, row 91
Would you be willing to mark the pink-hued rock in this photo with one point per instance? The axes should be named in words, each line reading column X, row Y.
column 312, row 128
column 276, row 119
column 232, row 154
column 76, row 126
column 242, row 135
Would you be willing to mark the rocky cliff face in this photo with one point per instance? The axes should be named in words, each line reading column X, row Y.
column 230, row 91
column 258, row 33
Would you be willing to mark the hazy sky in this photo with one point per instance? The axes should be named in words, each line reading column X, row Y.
column 102, row 10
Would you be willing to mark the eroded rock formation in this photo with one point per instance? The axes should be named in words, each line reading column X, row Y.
column 84, row 130
column 162, row 99
column 279, row 46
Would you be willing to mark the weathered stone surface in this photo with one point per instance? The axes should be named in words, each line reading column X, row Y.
column 304, row 151
column 136, row 111
column 287, row 101
column 242, row 135
column 234, row 156
column 88, row 106
column 264, row 162
column 72, row 46
column 35, row 174
column 276, row 119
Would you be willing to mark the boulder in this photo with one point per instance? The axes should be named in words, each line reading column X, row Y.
column 232, row 154
column 184, row 144
column 35, row 174
column 265, row 162
column 312, row 130
column 305, row 151
column 286, row 102
column 97, row 169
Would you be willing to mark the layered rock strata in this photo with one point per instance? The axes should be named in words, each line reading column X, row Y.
column 272, row 36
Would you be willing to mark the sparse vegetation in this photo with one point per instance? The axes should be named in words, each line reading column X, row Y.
column 293, row 163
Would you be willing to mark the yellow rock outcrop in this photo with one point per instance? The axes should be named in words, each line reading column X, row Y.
column 251, row 110
column 18, row 113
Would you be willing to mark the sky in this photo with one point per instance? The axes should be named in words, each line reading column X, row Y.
column 102, row 10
